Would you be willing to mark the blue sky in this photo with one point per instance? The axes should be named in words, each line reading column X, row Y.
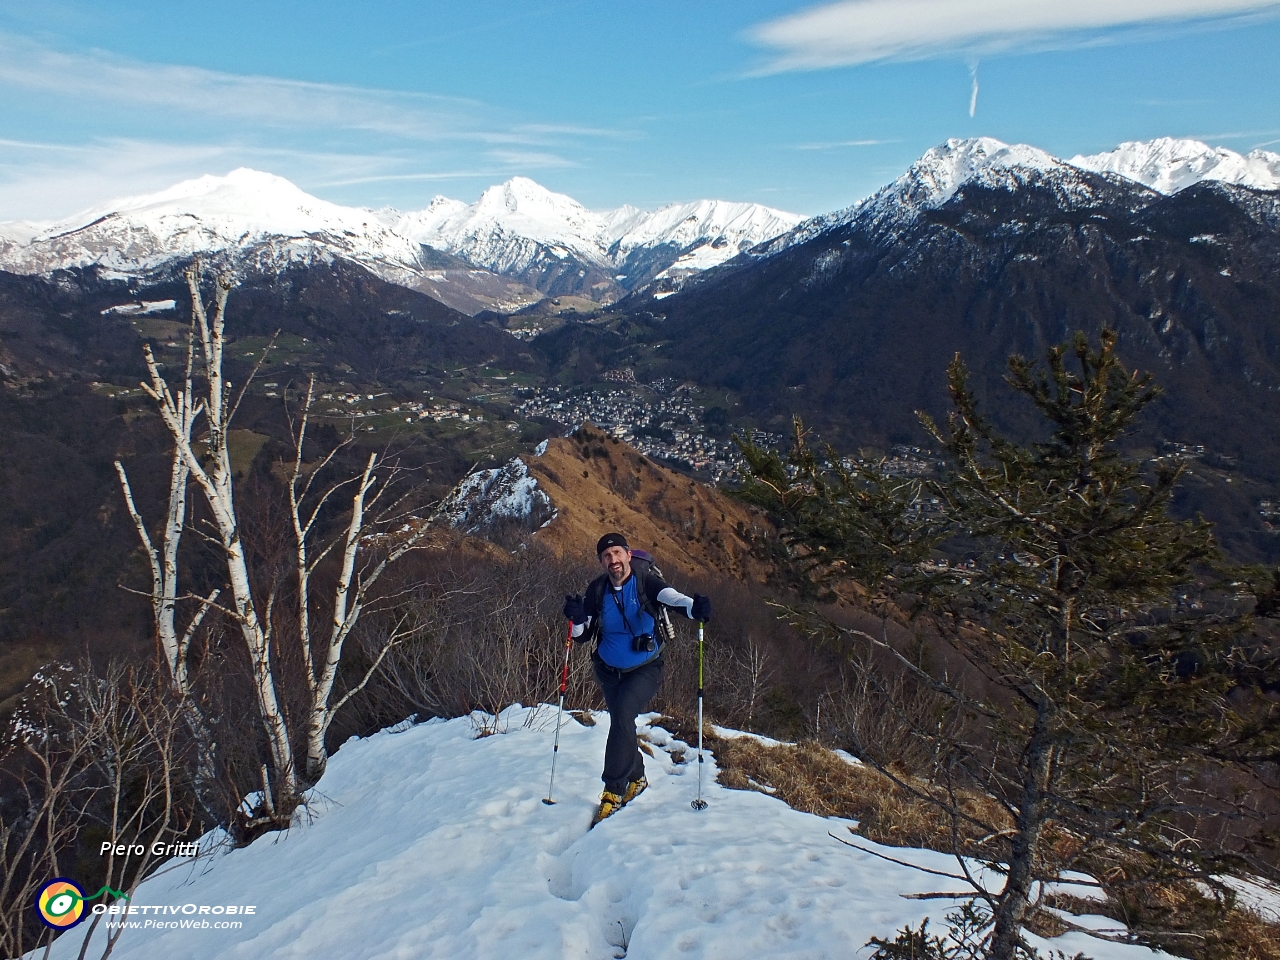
column 807, row 107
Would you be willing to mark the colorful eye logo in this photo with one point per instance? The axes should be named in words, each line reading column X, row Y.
column 60, row 903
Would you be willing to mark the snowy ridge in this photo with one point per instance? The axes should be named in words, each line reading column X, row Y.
column 251, row 216
column 257, row 219
column 511, row 225
column 1170, row 165
column 525, row 232
column 505, row 493
column 428, row 841
column 937, row 176
column 502, row 230
column 1165, row 165
column 707, row 232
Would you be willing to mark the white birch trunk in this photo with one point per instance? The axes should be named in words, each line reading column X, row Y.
column 178, row 413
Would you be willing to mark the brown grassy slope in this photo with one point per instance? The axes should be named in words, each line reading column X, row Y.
column 599, row 484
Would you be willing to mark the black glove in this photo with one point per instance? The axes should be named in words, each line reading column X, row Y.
column 575, row 611
column 701, row 608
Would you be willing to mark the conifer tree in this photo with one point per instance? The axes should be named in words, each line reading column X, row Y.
column 1090, row 637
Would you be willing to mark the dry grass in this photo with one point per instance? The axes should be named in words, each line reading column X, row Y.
column 811, row 778
column 599, row 483
column 1189, row 923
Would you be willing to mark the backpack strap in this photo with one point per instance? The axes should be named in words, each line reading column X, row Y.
column 641, row 569
column 593, row 601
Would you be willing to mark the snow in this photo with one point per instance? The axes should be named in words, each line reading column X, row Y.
column 247, row 213
column 1170, row 165
column 935, row 178
column 506, row 492
column 1260, row 897
column 709, row 232
column 267, row 221
column 1164, row 164
column 145, row 307
column 512, row 224
column 943, row 170
column 500, row 229
column 428, row 841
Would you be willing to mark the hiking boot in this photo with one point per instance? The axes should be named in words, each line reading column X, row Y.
column 634, row 789
column 610, row 803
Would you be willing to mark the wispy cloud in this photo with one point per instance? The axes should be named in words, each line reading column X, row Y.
column 272, row 102
column 973, row 95
column 530, row 159
column 837, row 144
column 572, row 130
column 320, row 135
column 199, row 93
column 862, row 31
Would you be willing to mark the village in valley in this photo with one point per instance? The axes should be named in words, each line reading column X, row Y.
column 662, row 420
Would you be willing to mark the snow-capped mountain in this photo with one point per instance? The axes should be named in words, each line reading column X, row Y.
column 936, row 177
column 705, row 233
column 1170, row 165
column 1164, row 165
column 518, row 242
column 551, row 241
column 253, row 217
column 501, row 230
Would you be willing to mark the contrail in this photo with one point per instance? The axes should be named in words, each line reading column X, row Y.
column 973, row 97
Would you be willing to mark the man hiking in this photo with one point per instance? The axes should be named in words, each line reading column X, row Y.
column 621, row 613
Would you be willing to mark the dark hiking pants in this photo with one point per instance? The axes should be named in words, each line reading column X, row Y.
column 627, row 694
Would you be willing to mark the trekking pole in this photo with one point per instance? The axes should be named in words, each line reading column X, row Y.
column 564, row 682
column 699, row 804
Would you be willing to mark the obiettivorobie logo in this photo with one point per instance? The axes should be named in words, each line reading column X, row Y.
column 60, row 902
column 61, row 905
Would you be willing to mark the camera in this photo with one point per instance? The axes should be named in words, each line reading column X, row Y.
column 644, row 643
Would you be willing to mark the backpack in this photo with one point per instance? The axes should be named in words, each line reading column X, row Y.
column 642, row 565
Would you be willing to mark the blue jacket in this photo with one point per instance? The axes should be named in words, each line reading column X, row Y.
column 619, row 615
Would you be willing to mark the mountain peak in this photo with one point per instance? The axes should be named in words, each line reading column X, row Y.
column 520, row 195
column 242, row 211
column 1168, row 164
column 942, row 170
column 935, row 178
column 242, row 182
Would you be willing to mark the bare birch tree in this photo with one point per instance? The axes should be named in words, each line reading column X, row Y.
column 163, row 558
column 354, row 583
column 256, row 617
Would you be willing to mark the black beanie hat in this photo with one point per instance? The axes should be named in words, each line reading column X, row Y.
column 611, row 540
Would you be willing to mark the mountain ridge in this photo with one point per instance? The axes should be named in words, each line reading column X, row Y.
column 517, row 243
column 1168, row 164
column 520, row 228
column 1164, row 165
column 520, row 242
